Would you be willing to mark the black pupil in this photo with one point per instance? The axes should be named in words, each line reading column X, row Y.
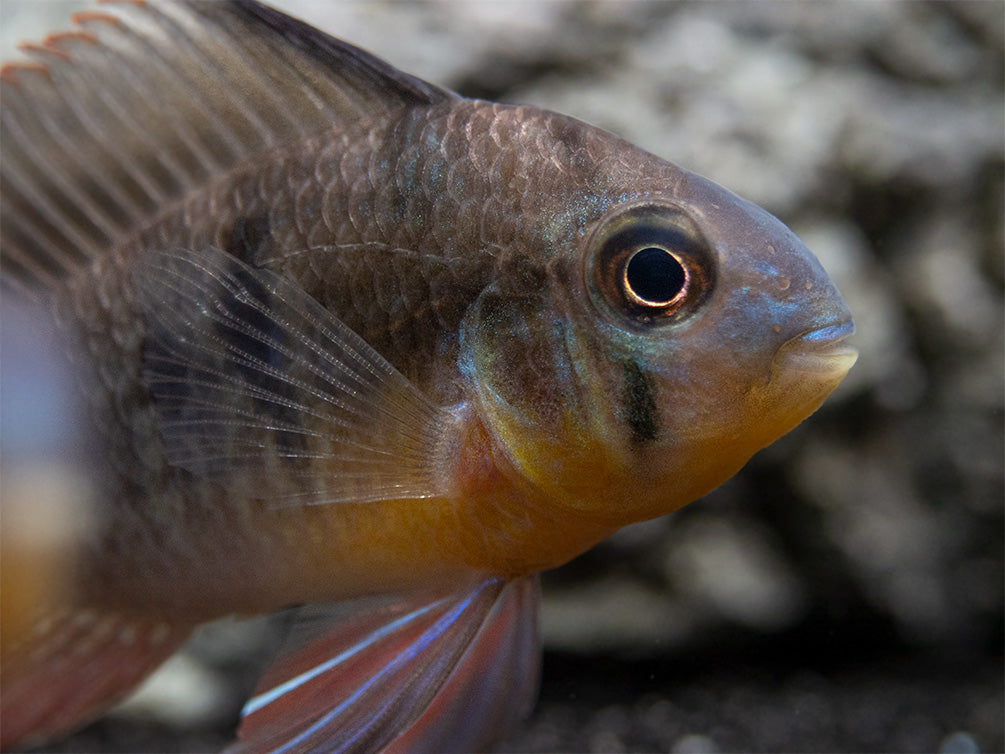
column 655, row 275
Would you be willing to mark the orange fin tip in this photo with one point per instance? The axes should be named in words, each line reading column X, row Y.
column 9, row 71
column 84, row 16
column 43, row 49
column 59, row 37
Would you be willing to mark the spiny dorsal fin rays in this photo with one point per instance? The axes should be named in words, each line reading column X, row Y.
column 253, row 379
column 372, row 79
column 111, row 124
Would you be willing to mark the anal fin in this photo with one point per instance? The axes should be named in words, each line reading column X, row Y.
column 389, row 675
column 74, row 666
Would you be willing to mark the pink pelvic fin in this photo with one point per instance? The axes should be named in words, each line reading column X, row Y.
column 357, row 683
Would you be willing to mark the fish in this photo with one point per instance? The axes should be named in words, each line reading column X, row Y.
column 45, row 481
column 365, row 352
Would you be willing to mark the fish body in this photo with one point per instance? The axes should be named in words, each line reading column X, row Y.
column 45, row 480
column 348, row 334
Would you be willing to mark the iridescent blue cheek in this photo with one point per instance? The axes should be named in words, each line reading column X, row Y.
column 754, row 318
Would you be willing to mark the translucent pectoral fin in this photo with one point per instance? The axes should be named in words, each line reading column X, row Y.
column 256, row 384
column 445, row 674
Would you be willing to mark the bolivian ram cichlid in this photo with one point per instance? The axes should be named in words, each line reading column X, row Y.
column 347, row 334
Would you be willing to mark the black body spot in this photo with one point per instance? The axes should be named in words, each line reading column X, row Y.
column 262, row 340
column 249, row 239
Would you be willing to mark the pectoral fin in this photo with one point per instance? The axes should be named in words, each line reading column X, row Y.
column 380, row 677
column 256, row 384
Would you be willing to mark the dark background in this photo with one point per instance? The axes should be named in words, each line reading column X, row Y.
column 845, row 591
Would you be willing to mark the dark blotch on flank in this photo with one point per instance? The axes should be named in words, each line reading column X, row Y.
column 249, row 239
column 639, row 403
column 262, row 338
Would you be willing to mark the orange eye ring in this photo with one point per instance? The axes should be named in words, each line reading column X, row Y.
column 649, row 265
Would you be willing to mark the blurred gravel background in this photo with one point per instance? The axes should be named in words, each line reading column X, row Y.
column 845, row 591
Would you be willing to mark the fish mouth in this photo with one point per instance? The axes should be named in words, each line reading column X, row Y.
column 821, row 350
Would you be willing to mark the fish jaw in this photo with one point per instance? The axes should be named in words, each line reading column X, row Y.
column 821, row 351
column 806, row 369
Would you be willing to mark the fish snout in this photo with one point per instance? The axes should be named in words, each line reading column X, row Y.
column 819, row 350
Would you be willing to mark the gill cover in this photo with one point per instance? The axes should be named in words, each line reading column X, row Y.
column 675, row 338
column 568, row 414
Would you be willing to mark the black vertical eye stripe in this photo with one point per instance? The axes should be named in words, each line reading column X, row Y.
column 638, row 403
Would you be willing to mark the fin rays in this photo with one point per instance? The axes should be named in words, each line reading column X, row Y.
column 358, row 684
column 248, row 372
column 122, row 119
column 74, row 666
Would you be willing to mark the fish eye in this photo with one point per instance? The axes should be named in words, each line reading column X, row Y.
column 649, row 265
column 654, row 276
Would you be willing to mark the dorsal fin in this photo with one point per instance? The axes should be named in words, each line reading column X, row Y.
column 145, row 101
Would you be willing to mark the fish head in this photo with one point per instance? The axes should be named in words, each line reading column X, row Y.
column 672, row 334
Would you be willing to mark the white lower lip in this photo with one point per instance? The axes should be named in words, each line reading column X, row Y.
column 839, row 358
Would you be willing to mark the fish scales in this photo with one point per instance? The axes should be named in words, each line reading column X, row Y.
column 403, row 275
column 346, row 275
column 418, row 198
column 345, row 334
